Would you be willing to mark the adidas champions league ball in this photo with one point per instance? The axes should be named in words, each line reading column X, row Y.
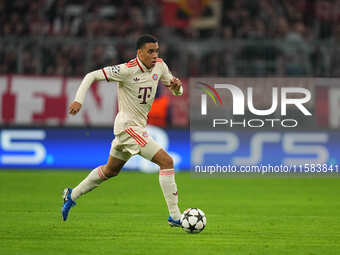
column 193, row 220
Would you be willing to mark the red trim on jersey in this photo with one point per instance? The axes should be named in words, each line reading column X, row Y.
column 137, row 137
column 132, row 63
column 105, row 74
column 139, row 66
column 159, row 60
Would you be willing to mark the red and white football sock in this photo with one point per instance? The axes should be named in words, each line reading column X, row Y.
column 93, row 180
column 169, row 188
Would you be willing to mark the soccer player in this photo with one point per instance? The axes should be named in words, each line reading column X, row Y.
column 137, row 84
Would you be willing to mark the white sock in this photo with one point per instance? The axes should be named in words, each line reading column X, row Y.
column 169, row 188
column 95, row 177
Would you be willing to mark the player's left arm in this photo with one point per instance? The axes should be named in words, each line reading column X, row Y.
column 175, row 86
column 173, row 83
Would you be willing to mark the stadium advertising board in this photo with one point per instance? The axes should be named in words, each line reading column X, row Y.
column 34, row 100
column 81, row 148
column 44, row 100
column 85, row 148
column 260, row 121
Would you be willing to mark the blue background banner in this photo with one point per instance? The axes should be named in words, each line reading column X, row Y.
column 268, row 147
column 79, row 148
column 73, row 148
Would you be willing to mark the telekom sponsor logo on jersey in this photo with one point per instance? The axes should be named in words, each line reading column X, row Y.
column 144, row 93
column 238, row 106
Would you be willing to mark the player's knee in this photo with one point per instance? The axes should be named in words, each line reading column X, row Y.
column 111, row 171
column 166, row 163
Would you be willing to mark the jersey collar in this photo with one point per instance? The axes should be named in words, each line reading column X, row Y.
column 141, row 66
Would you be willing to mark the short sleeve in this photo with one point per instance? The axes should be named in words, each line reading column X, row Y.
column 166, row 75
column 115, row 73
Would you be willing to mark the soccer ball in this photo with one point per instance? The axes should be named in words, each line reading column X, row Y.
column 193, row 220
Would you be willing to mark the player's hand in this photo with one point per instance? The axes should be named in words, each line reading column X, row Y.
column 175, row 84
column 74, row 108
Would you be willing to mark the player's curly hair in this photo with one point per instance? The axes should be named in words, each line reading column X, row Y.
column 147, row 38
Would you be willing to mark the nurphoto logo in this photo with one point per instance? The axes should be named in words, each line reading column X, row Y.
column 239, row 99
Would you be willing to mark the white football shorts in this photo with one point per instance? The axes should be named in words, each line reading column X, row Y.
column 134, row 140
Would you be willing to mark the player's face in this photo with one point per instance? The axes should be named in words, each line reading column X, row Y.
column 148, row 54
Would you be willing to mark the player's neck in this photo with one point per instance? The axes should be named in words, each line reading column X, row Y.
column 141, row 60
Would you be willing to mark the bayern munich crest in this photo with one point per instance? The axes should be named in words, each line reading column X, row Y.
column 154, row 77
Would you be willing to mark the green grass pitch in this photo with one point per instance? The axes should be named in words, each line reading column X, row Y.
column 127, row 215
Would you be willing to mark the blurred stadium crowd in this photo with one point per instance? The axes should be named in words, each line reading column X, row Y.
column 197, row 37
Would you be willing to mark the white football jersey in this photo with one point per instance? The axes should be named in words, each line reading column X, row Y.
column 137, row 87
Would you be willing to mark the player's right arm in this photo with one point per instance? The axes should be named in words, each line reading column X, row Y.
column 110, row 73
